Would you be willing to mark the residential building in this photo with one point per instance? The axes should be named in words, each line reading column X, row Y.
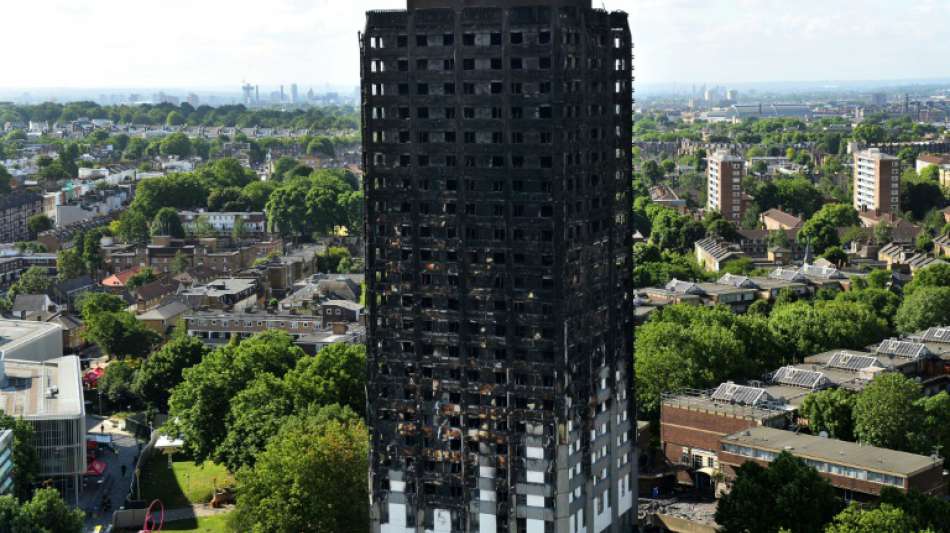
column 858, row 471
column 163, row 318
column 693, row 422
column 496, row 143
column 11, row 267
column 33, row 307
column 927, row 160
column 253, row 223
column 724, row 173
column 72, row 327
column 876, row 182
column 30, row 340
column 16, row 208
column 224, row 293
column 776, row 219
column 6, row 461
column 218, row 327
column 333, row 311
column 664, row 195
column 712, row 254
column 48, row 394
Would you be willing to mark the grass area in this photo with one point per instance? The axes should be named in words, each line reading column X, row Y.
column 184, row 484
column 205, row 524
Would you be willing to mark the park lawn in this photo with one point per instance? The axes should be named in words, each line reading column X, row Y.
column 205, row 524
column 184, row 484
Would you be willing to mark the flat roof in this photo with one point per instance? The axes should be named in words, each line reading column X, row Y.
column 833, row 451
column 24, row 392
column 16, row 332
column 706, row 404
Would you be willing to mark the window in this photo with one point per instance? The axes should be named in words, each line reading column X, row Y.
column 496, row 39
column 422, row 40
column 544, row 37
column 468, row 39
column 448, row 39
column 517, row 37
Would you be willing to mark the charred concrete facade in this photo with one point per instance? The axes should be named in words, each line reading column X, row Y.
column 497, row 153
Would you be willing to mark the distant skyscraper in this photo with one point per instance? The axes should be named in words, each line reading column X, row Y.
column 724, row 194
column 293, row 93
column 281, row 93
column 877, row 182
column 496, row 143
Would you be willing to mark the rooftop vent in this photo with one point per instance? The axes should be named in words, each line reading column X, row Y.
column 52, row 392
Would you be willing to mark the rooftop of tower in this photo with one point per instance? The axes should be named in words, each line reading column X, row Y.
column 459, row 4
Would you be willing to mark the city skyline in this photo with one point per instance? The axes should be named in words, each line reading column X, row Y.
column 676, row 42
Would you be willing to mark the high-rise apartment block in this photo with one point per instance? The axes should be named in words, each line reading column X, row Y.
column 724, row 173
column 877, row 178
column 496, row 138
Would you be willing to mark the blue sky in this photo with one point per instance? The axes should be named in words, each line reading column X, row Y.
column 219, row 43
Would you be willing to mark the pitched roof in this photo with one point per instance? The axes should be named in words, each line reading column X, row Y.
column 29, row 302
column 67, row 321
column 157, row 289
column 786, row 219
column 799, row 377
column 739, row 282
column 740, row 394
column 339, row 289
column 684, row 287
column 346, row 304
column 902, row 348
column 164, row 312
column 71, row 285
column 718, row 250
column 937, row 334
column 119, row 279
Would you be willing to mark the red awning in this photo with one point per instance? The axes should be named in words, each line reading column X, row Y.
column 96, row 468
column 92, row 377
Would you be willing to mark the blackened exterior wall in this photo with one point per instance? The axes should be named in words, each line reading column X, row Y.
column 498, row 263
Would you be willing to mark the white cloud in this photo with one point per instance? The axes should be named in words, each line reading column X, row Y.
column 218, row 43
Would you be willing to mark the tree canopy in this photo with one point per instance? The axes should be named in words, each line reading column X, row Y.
column 311, row 477
column 788, row 495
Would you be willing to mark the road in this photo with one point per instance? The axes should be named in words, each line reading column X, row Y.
column 113, row 485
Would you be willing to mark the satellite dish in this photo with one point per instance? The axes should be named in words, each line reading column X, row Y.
column 823, row 434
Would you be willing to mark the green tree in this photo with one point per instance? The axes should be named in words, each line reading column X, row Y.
column 925, row 307
column 936, row 275
column 91, row 254
column 176, row 144
column 821, row 230
column 330, row 260
column 119, row 334
column 884, row 413
column 883, row 302
column 163, row 369
column 92, row 303
column 174, row 119
column 26, row 459
column 167, row 222
column 203, row 227
column 133, row 227
column 336, row 375
column 226, row 199
column 142, row 277
column 200, row 403
column 282, row 166
column 69, row 264
column 788, row 495
column 671, row 357
column 311, row 477
column 116, row 384
column 239, row 230
column 180, row 263
column 882, row 519
column 255, row 415
column 33, row 281
column 878, row 279
column 45, row 512
column 803, row 328
column 830, row 410
column 836, row 255
column 933, row 433
column 37, row 224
